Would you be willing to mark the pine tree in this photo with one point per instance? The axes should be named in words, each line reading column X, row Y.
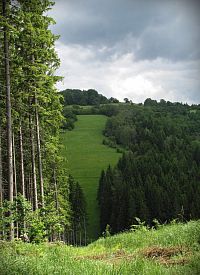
column 78, row 208
column 8, row 113
column 27, row 81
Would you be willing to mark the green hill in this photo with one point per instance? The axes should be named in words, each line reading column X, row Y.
column 169, row 250
column 86, row 156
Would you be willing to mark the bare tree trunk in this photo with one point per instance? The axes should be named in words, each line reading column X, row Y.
column 85, row 232
column 55, row 188
column 1, row 185
column 15, row 181
column 35, row 197
column 8, row 117
column 1, row 179
column 73, row 235
column 39, row 154
column 32, row 136
column 30, row 190
column 68, row 236
column 64, row 234
column 1, row 169
column 14, row 168
column 80, row 240
column 21, row 160
column 22, row 167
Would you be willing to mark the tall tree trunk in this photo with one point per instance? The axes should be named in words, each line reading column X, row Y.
column 1, row 179
column 1, row 175
column 39, row 154
column 80, row 239
column 34, row 179
column 32, row 136
column 30, row 189
column 22, row 167
column 1, row 185
column 85, row 232
column 55, row 188
column 15, row 182
column 21, row 160
column 8, row 116
column 14, row 168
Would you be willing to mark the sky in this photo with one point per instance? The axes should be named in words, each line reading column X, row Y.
column 136, row 49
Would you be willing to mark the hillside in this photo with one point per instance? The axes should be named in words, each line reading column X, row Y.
column 171, row 249
column 158, row 176
column 85, row 157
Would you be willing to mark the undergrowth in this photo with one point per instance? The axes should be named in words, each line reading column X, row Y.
column 170, row 249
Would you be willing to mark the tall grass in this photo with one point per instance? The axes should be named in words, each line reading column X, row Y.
column 99, row 257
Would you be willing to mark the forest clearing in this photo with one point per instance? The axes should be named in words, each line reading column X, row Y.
column 85, row 158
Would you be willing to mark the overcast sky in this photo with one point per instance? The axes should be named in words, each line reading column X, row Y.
column 130, row 48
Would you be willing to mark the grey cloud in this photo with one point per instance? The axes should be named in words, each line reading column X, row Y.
column 168, row 29
column 123, row 76
column 133, row 48
column 98, row 21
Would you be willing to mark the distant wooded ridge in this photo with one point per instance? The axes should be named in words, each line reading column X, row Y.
column 83, row 98
column 90, row 102
column 92, row 97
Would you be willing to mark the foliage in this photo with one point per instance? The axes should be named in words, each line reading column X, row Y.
column 34, row 226
column 70, row 118
column 84, row 98
column 78, row 215
column 158, row 175
column 38, row 175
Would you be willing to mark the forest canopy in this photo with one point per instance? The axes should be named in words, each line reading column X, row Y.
column 83, row 98
column 158, row 175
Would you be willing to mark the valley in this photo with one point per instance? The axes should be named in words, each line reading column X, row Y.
column 85, row 157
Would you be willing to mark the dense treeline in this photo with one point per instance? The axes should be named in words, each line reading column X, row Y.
column 158, row 177
column 77, row 234
column 31, row 175
column 70, row 113
column 84, row 98
column 34, row 192
column 78, row 102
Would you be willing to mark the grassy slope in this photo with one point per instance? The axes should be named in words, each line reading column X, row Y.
column 87, row 156
column 123, row 254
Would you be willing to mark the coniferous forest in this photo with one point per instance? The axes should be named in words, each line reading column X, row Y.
column 158, row 175
column 34, row 192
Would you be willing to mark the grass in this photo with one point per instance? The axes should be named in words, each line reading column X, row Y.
column 172, row 250
column 86, row 156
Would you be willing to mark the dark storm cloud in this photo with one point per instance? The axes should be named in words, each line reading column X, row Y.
column 130, row 48
column 149, row 28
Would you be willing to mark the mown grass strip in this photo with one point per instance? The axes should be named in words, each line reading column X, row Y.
column 86, row 156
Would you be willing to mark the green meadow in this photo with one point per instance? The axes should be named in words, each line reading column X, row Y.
column 172, row 249
column 85, row 157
